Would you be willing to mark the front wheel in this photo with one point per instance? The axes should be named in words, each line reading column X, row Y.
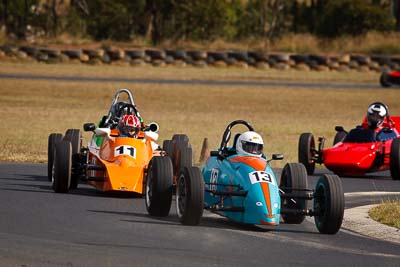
column 306, row 152
column 293, row 179
column 54, row 138
column 159, row 185
column 75, row 137
column 395, row 159
column 62, row 167
column 328, row 204
column 190, row 196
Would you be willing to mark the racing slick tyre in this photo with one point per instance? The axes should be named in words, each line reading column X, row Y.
column 75, row 137
column 54, row 138
column 62, row 167
column 168, row 146
column 183, row 158
column 183, row 138
column 293, row 179
column 395, row 159
column 306, row 150
column 159, row 185
column 339, row 137
column 190, row 196
column 328, row 204
column 384, row 80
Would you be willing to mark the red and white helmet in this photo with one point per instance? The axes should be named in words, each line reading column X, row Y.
column 129, row 125
column 250, row 143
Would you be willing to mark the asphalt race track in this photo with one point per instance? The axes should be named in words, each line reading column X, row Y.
column 87, row 228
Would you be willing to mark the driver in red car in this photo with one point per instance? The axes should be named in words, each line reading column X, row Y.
column 376, row 114
column 377, row 126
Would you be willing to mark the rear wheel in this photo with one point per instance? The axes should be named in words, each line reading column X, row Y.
column 306, row 152
column 182, row 155
column 159, row 186
column 54, row 138
column 181, row 137
column 168, row 146
column 339, row 137
column 62, row 167
column 328, row 204
column 293, row 179
column 75, row 137
column 190, row 196
column 183, row 158
column 395, row 159
column 384, row 80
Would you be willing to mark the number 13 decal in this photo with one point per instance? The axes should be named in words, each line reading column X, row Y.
column 125, row 150
column 261, row 177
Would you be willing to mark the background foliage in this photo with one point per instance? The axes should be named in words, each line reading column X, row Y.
column 196, row 20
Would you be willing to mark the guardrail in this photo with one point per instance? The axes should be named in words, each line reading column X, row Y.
column 198, row 58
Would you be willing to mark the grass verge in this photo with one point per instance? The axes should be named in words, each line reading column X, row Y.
column 388, row 212
column 32, row 109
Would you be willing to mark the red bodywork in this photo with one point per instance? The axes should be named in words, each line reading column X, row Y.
column 394, row 74
column 354, row 159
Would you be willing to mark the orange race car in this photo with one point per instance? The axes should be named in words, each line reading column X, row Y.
column 121, row 156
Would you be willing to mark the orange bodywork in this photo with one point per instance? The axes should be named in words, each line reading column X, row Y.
column 125, row 161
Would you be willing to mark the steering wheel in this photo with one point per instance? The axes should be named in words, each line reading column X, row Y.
column 130, row 109
column 227, row 134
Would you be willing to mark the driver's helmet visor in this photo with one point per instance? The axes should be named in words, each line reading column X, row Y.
column 252, row 148
column 375, row 119
column 130, row 131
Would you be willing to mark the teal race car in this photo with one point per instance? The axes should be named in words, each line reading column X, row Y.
column 245, row 189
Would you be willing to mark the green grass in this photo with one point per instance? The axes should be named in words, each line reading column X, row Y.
column 32, row 109
column 388, row 212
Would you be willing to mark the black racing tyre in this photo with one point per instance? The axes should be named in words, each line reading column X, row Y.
column 181, row 137
column 306, row 150
column 62, row 167
column 183, row 155
column 293, row 179
column 328, row 204
column 168, row 146
column 54, row 138
column 384, row 80
column 159, row 186
column 190, row 196
column 339, row 137
column 75, row 137
column 395, row 159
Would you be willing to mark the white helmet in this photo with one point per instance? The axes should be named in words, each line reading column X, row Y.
column 250, row 143
column 376, row 114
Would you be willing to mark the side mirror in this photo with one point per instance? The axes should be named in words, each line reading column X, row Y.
column 89, row 127
column 277, row 157
column 153, row 127
column 339, row 129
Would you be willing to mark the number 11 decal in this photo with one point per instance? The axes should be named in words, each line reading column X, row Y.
column 125, row 150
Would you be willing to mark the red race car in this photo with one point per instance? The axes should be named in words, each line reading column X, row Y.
column 372, row 146
column 389, row 79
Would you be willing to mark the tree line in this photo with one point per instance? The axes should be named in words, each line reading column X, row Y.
column 196, row 20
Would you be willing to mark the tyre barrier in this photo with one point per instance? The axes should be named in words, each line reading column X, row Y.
column 201, row 58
